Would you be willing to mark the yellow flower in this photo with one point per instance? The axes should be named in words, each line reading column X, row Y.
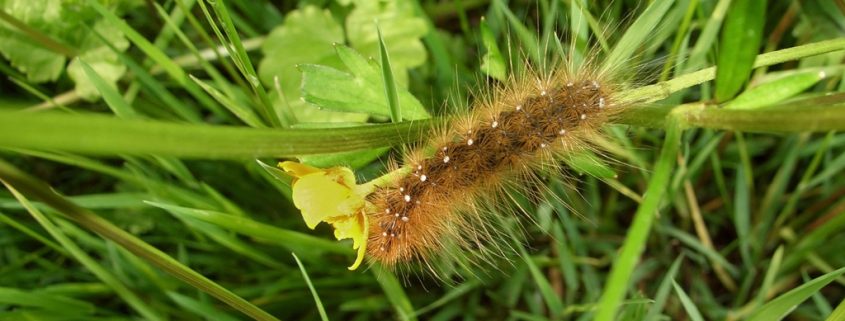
column 331, row 195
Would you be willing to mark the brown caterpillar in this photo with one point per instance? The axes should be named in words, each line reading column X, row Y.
column 444, row 206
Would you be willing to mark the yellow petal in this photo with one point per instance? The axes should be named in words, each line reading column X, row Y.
column 298, row 169
column 331, row 196
column 352, row 227
column 318, row 197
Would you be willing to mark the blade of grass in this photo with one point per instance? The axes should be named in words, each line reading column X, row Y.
column 33, row 188
column 663, row 291
column 636, row 33
column 389, row 83
column 158, row 56
column 689, row 306
column 740, row 44
column 394, row 293
column 780, row 307
column 246, row 226
column 242, row 61
column 319, row 303
column 839, row 313
column 99, row 135
column 623, row 267
column 110, row 94
column 119, row 288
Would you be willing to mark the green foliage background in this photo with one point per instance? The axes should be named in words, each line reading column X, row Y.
column 726, row 202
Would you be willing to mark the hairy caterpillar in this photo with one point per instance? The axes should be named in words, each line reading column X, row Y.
column 444, row 205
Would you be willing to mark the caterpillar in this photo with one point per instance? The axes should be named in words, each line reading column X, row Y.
column 446, row 204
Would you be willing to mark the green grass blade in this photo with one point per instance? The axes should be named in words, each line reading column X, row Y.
column 32, row 188
column 100, row 135
column 290, row 239
column 394, row 293
column 738, row 49
column 113, row 99
column 620, row 274
column 839, row 313
column 242, row 60
column 317, row 300
column 636, row 34
column 204, row 309
column 780, row 307
column 689, row 306
column 663, row 291
column 108, row 278
column 389, row 83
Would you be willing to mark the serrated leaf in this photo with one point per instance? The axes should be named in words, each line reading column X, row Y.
column 67, row 24
column 402, row 32
column 359, row 91
column 37, row 62
column 306, row 37
column 100, row 57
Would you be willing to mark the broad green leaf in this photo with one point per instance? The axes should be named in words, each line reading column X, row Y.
column 40, row 64
column 741, row 36
column 402, row 30
column 72, row 28
column 360, row 90
column 306, row 37
column 100, row 57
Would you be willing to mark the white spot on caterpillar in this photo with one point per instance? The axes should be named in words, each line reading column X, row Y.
column 419, row 167
column 397, row 215
column 392, row 234
column 445, row 147
column 568, row 84
column 382, row 248
column 542, row 145
column 601, row 102
column 401, row 189
column 446, row 159
column 822, row 74
column 583, row 116
column 423, row 178
column 470, row 141
column 495, row 124
column 383, row 233
column 543, row 93
column 405, row 219
column 562, row 132
column 407, row 198
column 387, row 210
column 595, row 85
column 518, row 107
